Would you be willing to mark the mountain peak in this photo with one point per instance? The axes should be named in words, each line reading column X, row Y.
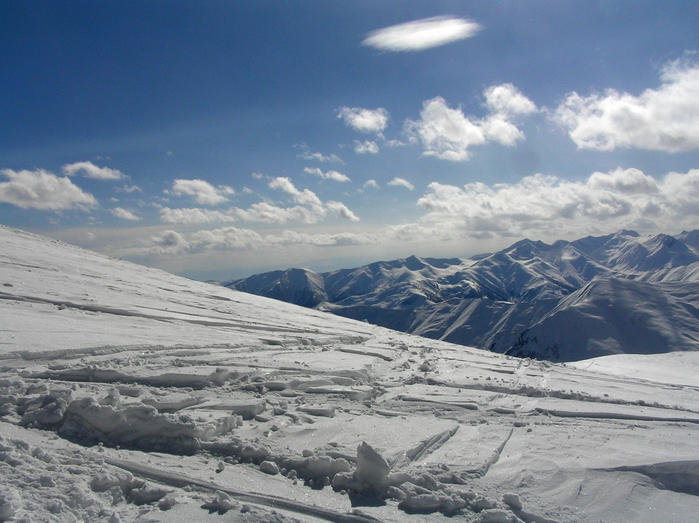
column 414, row 263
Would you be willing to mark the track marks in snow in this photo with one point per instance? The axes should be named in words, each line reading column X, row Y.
column 483, row 470
column 616, row 416
column 424, row 448
column 179, row 480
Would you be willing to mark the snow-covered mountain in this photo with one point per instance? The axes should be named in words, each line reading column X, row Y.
column 514, row 301
column 131, row 394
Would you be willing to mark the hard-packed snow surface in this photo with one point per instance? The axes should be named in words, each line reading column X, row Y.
column 596, row 296
column 129, row 394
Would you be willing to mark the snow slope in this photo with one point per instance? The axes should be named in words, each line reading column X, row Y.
column 494, row 301
column 129, row 394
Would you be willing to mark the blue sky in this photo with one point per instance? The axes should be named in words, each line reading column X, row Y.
column 218, row 139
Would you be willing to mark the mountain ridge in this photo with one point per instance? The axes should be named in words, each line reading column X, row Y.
column 493, row 301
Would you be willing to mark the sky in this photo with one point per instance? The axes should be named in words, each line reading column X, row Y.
column 219, row 139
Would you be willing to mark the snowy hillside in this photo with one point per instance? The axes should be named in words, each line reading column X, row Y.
column 129, row 394
column 498, row 301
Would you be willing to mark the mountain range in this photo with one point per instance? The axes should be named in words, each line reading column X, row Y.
column 568, row 301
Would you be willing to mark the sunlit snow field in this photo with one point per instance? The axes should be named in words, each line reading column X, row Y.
column 130, row 394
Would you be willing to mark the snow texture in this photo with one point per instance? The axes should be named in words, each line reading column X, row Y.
column 129, row 394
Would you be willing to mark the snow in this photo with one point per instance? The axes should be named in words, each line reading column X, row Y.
column 129, row 394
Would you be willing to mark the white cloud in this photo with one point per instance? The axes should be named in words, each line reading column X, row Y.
column 371, row 183
column 660, row 120
column 267, row 213
column 203, row 191
column 315, row 209
column 308, row 209
column 130, row 189
column 225, row 239
column 92, row 171
column 448, row 134
column 235, row 239
column 550, row 207
column 304, row 197
column 400, row 182
column 421, row 34
column 170, row 242
column 341, row 210
column 321, row 240
column 306, row 154
column 505, row 99
column 43, row 190
column 366, row 147
column 330, row 175
column 194, row 215
column 124, row 214
column 364, row 120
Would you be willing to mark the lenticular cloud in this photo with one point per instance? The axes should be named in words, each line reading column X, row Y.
column 422, row 34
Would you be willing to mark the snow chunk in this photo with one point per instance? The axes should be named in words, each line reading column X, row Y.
column 10, row 503
column 269, row 467
column 512, row 500
column 370, row 476
column 248, row 409
column 222, row 503
column 318, row 410
column 138, row 425
column 497, row 515
column 372, row 468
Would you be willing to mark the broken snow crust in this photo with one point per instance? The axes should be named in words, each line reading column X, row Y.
column 129, row 394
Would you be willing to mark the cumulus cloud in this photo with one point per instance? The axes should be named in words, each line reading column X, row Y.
column 170, row 242
column 320, row 240
column 306, row 154
column 124, row 214
column 308, row 208
column 92, row 171
column 330, row 175
column 341, row 210
column 203, row 192
column 43, row 190
column 422, row 34
column 365, row 147
column 235, row 239
column 371, row 183
column 194, row 215
column 549, row 206
column 663, row 119
column 364, row 120
column 225, row 239
column 400, row 182
column 449, row 134
column 315, row 209
column 267, row 213
column 128, row 189
column 305, row 197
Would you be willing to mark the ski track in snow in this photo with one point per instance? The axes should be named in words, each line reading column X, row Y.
column 128, row 394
